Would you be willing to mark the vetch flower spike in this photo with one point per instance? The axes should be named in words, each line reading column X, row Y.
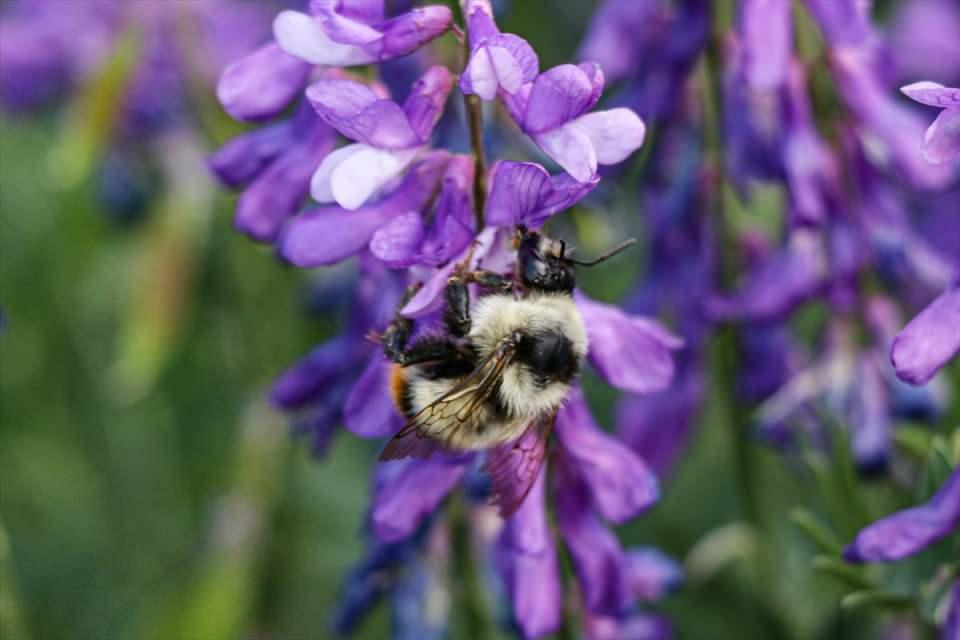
column 389, row 137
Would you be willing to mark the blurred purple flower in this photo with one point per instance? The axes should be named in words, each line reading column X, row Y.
column 930, row 340
column 909, row 531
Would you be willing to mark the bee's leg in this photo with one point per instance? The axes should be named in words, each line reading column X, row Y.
column 397, row 333
column 490, row 280
column 456, row 313
column 394, row 338
column 433, row 350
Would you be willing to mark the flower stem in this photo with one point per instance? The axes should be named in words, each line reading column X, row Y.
column 474, row 109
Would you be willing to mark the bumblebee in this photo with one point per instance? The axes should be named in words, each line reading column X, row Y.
column 496, row 378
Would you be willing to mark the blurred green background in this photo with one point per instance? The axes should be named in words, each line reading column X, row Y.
column 148, row 491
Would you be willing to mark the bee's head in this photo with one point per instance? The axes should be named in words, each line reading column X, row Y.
column 545, row 264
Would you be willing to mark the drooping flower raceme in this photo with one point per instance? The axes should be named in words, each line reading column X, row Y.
column 407, row 211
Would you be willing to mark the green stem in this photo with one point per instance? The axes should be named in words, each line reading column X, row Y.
column 469, row 590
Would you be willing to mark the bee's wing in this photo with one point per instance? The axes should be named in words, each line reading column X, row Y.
column 513, row 467
column 426, row 432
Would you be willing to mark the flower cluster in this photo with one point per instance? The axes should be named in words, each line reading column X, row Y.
column 785, row 174
column 412, row 214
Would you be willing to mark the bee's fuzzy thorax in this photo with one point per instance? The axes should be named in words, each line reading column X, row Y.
column 496, row 316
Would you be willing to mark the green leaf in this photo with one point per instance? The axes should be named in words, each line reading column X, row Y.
column 818, row 532
column 94, row 114
column 850, row 575
column 877, row 599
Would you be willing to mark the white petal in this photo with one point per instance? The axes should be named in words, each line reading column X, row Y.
column 320, row 187
column 483, row 79
column 303, row 37
column 615, row 134
column 571, row 148
column 363, row 173
column 509, row 73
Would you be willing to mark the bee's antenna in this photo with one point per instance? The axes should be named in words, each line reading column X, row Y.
column 605, row 256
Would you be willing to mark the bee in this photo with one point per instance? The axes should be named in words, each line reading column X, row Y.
column 496, row 378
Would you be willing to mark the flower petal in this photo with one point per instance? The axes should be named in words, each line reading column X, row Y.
column 328, row 235
column 932, row 94
column 630, row 352
column 615, row 134
column 524, row 193
column 321, row 188
column 261, row 85
column 369, row 411
column 941, row 144
column 504, row 61
column 357, row 112
column 278, row 192
column 412, row 490
column 302, row 36
column 244, row 157
column 299, row 384
column 571, row 148
column 398, row 242
column 427, row 100
column 595, row 551
column 409, row 31
column 930, row 340
column 909, row 531
column 653, row 574
column 621, row 485
column 358, row 177
column 558, row 96
column 527, row 561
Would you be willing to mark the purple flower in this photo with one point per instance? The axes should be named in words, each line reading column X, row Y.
column 388, row 137
column 498, row 61
column 766, row 30
column 329, row 234
column 273, row 165
column 345, row 33
column 619, row 483
column 620, row 34
column 652, row 573
column 633, row 353
column 930, row 340
column 553, row 110
column 527, row 561
column 262, row 84
column 407, row 491
column 942, row 141
column 525, row 193
column 925, row 34
column 909, row 531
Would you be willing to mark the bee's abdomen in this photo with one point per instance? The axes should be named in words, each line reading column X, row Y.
column 400, row 390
